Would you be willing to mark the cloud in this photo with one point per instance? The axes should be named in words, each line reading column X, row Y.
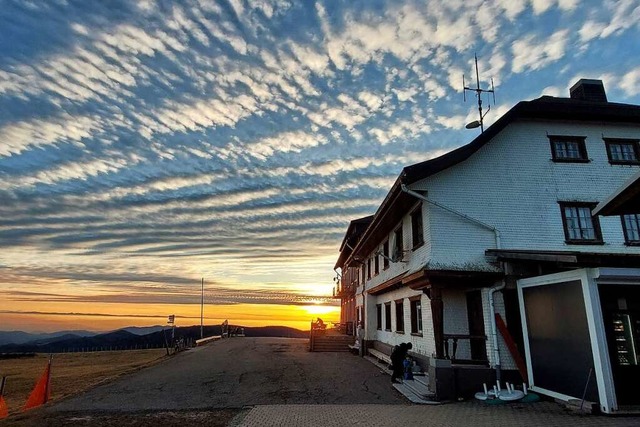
column 531, row 53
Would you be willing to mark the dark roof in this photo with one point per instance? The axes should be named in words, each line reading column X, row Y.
column 351, row 238
column 545, row 108
column 625, row 200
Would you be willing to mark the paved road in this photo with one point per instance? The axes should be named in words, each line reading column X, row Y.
column 243, row 372
column 258, row 382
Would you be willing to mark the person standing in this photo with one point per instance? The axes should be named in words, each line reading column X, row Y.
column 398, row 355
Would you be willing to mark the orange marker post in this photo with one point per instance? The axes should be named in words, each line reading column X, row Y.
column 4, row 411
column 42, row 391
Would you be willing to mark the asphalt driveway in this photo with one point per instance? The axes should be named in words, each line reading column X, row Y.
column 239, row 372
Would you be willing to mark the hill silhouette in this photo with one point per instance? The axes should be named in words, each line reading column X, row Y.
column 123, row 339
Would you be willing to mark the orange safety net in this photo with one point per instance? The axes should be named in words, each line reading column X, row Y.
column 42, row 390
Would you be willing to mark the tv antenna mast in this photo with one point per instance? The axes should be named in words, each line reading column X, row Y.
column 480, row 122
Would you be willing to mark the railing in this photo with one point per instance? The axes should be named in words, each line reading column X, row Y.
column 471, row 338
column 317, row 328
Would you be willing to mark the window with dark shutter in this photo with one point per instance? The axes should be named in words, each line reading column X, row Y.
column 417, row 233
column 400, row 316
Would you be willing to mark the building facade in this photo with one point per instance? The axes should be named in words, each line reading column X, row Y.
column 440, row 261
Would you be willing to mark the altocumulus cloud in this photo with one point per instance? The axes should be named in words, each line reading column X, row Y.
column 144, row 144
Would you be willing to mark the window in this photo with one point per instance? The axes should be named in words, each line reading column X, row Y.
column 387, row 316
column 398, row 246
column 416, row 315
column 416, row 227
column 568, row 148
column 376, row 262
column 369, row 268
column 631, row 227
column 400, row 315
column 579, row 225
column 362, row 270
column 379, row 316
column 622, row 151
column 385, row 255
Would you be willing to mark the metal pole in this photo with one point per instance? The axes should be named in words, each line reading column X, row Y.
column 202, row 311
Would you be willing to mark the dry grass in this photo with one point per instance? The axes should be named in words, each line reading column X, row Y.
column 71, row 372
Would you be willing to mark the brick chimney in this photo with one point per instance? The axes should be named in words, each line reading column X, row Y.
column 588, row 90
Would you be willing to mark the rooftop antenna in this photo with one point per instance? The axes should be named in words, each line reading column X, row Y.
column 478, row 123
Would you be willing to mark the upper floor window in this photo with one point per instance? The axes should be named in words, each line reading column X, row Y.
column 417, row 233
column 579, row 225
column 376, row 264
column 568, row 148
column 622, row 151
column 369, row 268
column 398, row 245
column 385, row 254
column 631, row 227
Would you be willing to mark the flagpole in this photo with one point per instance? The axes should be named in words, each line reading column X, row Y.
column 202, row 311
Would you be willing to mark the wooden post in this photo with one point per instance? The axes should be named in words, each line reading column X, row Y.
column 437, row 314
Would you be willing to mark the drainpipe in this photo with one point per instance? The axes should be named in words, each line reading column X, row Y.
column 494, row 328
column 455, row 212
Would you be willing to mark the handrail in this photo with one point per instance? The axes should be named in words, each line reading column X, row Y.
column 455, row 338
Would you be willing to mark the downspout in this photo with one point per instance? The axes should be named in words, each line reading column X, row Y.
column 455, row 212
column 494, row 328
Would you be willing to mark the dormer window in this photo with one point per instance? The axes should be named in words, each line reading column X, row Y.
column 568, row 149
column 622, row 151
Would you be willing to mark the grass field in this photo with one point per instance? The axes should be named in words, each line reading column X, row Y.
column 71, row 372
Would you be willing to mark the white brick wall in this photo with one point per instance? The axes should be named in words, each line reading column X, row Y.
column 512, row 184
column 422, row 345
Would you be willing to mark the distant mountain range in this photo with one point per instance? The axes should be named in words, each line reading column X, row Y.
column 127, row 338
column 19, row 337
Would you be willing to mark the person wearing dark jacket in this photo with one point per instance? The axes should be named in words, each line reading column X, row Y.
column 397, row 358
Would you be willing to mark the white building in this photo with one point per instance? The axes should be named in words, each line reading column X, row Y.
column 456, row 234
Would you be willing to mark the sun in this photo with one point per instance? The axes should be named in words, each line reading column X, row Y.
column 321, row 309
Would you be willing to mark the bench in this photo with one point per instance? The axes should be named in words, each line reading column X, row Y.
column 380, row 356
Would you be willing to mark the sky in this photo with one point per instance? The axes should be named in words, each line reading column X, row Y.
column 145, row 145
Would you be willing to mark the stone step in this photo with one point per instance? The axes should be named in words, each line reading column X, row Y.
column 408, row 392
column 419, row 388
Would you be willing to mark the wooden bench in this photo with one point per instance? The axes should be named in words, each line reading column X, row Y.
column 380, row 356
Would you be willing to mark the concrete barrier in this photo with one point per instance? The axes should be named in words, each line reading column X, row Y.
column 207, row 340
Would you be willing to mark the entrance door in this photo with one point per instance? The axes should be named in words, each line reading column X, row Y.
column 476, row 325
column 621, row 315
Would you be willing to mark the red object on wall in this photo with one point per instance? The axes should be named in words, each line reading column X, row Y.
column 511, row 345
column 42, row 391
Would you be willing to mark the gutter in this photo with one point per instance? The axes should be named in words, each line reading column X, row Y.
column 455, row 212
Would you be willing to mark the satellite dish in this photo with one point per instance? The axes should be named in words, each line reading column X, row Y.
column 474, row 124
